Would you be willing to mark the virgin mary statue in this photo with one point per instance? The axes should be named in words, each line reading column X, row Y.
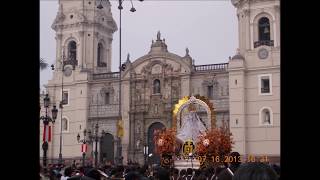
column 192, row 126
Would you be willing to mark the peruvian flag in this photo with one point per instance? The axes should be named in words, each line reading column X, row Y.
column 46, row 133
column 84, row 148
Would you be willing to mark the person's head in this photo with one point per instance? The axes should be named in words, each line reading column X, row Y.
column 189, row 171
column 201, row 177
column 132, row 175
column 255, row 171
column 235, row 159
column 162, row 174
column 218, row 170
column 183, row 172
column 197, row 172
column 93, row 173
column 175, row 172
column 68, row 172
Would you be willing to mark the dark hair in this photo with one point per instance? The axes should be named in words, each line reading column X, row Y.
column 175, row 171
column 163, row 174
column 189, row 171
column 218, row 170
column 202, row 177
column 68, row 171
column 183, row 172
column 94, row 173
column 235, row 162
column 255, row 171
column 132, row 175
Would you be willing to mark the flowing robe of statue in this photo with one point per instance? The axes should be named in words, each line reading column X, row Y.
column 191, row 128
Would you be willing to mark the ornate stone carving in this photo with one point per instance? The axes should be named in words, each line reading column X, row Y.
column 156, row 69
column 246, row 12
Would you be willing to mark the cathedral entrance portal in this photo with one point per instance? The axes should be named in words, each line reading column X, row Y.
column 107, row 148
column 155, row 158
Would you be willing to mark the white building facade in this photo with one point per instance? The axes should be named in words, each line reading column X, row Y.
column 245, row 91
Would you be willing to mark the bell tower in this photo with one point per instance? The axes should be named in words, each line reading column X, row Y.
column 254, row 79
column 258, row 23
column 84, row 35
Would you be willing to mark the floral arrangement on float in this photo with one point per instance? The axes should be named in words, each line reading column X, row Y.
column 165, row 140
column 165, row 143
column 214, row 146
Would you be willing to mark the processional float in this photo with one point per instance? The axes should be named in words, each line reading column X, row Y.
column 193, row 141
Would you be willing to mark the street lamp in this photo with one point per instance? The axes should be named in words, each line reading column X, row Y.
column 46, row 119
column 145, row 153
column 84, row 145
column 95, row 138
column 119, row 157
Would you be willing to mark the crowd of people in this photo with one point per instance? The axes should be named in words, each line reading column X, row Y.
column 231, row 171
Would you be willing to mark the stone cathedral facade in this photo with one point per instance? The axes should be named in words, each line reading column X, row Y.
column 245, row 91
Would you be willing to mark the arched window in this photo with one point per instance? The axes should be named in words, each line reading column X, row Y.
column 65, row 125
column 72, row 50
column 264, row 29
column 156, row 86
column 265, row 116
column 100, row 56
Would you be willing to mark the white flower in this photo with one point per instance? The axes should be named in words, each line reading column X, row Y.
column 206, row 142
column 160, row 142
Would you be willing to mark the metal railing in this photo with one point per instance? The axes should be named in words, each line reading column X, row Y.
column 263, row 42
column 212, row 67
column 265, row 90
column 113, row 75
column 109, row 110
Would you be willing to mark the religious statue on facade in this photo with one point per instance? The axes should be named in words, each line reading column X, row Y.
column 158, row 36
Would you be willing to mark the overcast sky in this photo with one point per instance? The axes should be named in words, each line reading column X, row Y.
column 208, row 28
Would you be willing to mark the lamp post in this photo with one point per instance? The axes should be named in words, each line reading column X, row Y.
column 95, row 138
column 145, row 153
column 84, row 145
column 46, row 119
column 119, row 157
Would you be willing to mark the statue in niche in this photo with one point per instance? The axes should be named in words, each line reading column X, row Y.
column 156, row 109
column 138, row 128
column 138, row 144
column 267, row 118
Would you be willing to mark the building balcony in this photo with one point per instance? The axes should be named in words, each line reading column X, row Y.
column 265, row 90
column 113, row 75
column 263, row 42
column 110, row 110
column 211, row 67
column 71, row 61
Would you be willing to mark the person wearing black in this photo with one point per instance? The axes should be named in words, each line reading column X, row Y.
column 183, row 173
column 255, row 171
column 228, row 172
column 189, row 174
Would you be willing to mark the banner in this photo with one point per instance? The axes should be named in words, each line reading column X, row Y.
column 120, row 130
column 84, row 148
column 46, row 133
